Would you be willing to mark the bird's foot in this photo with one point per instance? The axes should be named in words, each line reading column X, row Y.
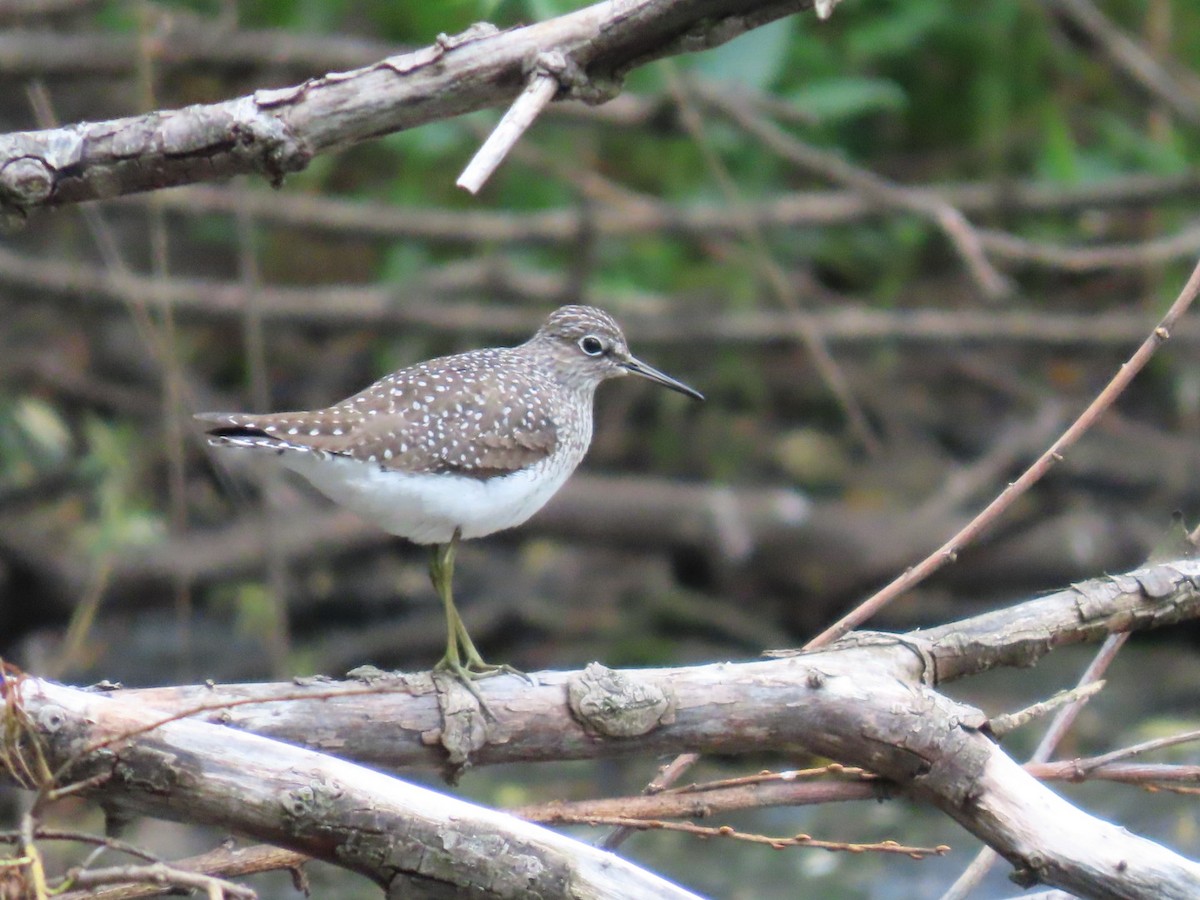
column 485, row 670
column 475, row 669
column 467, row 678
column 474, row 662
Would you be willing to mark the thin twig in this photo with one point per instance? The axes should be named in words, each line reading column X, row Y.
column 960, row 485
column 1002, row 725
column 706, row 799
column 82, row 837
column 949, row 551
column 1136, row 750
column 1152, row 776
column 223, row 862
column 649, row 215
column 777, row 843
column 667, row 776
column 159, row 874
column 1109, row 257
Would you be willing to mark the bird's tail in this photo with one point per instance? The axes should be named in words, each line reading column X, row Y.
column 239, row 430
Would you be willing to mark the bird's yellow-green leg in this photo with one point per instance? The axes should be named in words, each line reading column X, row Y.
column 462, row 658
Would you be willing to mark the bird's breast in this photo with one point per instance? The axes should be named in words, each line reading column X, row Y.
column 427, row 507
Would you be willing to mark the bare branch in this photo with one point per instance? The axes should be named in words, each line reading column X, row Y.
column 388, row 720
column 395, row 833
column 275, row 132
column 864, row 701
column 224, row 862
column 960, row 232
column 811, row 209
column 725, row 831
column 1002, row 725
column 430, row 304
column 176, row 39
column 159, row 875
column 709, row 799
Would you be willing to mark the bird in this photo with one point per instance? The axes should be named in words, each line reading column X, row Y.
column 457, row 447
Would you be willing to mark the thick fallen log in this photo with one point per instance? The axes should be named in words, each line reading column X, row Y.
column 867, row 701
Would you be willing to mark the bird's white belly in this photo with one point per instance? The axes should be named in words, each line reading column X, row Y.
column 426, row 508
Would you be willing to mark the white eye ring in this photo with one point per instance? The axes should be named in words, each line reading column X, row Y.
column 591, row 345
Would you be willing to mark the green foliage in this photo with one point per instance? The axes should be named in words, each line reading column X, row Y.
column 122, row 515
column 33, row 438
column 410, row 22
column 252, row 607
column 754, row 59
column 839, row 98
column 36, row 441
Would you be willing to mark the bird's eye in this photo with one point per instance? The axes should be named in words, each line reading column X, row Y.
column 591, row 345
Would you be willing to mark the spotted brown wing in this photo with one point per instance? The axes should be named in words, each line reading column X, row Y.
column 479, row 414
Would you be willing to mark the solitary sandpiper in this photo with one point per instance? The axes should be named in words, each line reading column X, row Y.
column 456, row 447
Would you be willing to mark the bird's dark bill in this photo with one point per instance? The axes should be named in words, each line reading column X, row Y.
column 637, row 367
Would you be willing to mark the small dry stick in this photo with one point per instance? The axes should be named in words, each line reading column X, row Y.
column 701, row 801
column 1085, row 766
column 1002, row 725
column 224, row 862
column 948, row 552
column 853, row 773
column 667, row 776
column 1151, row 776
column 542, row 88
column 157, row 874
column 778, row 843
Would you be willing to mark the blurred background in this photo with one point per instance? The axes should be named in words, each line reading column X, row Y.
column 899, row 251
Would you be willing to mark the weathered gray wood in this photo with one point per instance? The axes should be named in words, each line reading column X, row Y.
column 412, row 840
column 396, row 721
column 867, row 701
column 276, row 132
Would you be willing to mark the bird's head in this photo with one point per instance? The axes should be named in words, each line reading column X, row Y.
column 590, row 347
